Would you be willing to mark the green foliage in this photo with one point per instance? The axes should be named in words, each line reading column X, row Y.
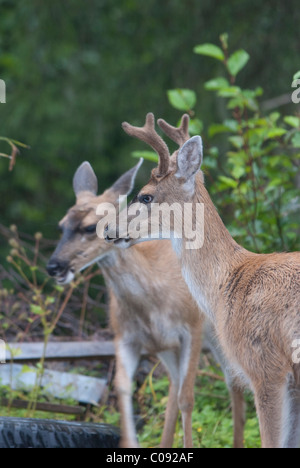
column 212, row 418
column 255, row 180
column 182, row 99
column 75, row 70
column 31, row 305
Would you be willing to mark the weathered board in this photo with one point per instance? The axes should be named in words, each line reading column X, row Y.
column 78, row 411
column 67, row 350
column 64, row 385
column 24, row 352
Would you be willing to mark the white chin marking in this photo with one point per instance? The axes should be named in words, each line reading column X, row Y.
column 66, row 279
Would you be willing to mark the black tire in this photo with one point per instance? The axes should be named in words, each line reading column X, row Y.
column 47, row 433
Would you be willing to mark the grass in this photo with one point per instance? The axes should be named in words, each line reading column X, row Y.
column 212, row 419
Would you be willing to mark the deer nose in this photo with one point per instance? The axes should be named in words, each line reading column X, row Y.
column 55, row 268
column 106, row 234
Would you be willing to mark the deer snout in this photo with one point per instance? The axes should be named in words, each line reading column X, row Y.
column 57, row 268
column 112, row 235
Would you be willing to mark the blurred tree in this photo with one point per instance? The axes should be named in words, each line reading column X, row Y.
column 75, row 70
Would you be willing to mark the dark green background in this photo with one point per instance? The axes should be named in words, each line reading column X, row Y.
column 75, row 70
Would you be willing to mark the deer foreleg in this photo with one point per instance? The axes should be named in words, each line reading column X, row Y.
column 126, row 362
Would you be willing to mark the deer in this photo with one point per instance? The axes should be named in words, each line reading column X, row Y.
column 150, row 307
column 253, row 300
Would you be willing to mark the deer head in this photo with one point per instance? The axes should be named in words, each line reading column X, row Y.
column 173, row 180
column 80, row 246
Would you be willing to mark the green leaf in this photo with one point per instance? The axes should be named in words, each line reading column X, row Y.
column 236, row 141
column 214, row 129
column 195, row 126
column 15, row 352
column 26, row 369
column 37, row 310
column 228, row 182
column 237, row 61
column 49, row 300
column 275, row 132
column 216, row 83
column 224, row 40
column 182, row 99
column 292, row 121
column 148, row 155
column 228, row 126
column 296, row 140
column 238, row 172
column 274, row 116
column 231, row 91
column 231, row 125
column 210, row 50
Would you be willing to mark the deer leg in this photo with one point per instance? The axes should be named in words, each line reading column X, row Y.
column 269, row 399
column 237, row 403
column 237, row 395
column 189, row 361
column 238, row 414
column 290, row 436
column 127, row 359
column 170, row 361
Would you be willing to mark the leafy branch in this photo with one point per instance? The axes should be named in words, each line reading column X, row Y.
column 14, row 150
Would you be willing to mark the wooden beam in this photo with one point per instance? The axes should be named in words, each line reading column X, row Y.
column 70, row 350
column 61, row 385
column 48, row 407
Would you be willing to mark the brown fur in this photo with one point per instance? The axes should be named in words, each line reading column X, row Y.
column 150, row 308
column 253, row 301
column 142, row 316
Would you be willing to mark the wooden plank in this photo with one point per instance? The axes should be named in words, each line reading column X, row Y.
column 70, row 350
column 62, row 385
column 47, row 407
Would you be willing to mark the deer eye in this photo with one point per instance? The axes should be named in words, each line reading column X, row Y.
column 90, row 229
column 146, row 199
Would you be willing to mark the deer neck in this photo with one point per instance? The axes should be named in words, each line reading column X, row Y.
column 206, row 269
column 124, row 272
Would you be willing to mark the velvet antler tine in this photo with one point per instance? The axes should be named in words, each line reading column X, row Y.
column 148, row 134
column 178, row 134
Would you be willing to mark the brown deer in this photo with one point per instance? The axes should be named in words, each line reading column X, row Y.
column 150, row 307
column 252, row 299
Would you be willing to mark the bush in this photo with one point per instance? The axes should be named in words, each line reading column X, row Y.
column 254, row 182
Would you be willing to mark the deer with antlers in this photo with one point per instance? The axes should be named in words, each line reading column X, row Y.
column 252, row 299
column 150, row 307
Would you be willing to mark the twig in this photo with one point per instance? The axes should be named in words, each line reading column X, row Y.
column 211, row 375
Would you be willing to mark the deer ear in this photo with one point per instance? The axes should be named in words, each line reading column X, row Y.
column 190, row 157
column 124, row 185
column 85, row 180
